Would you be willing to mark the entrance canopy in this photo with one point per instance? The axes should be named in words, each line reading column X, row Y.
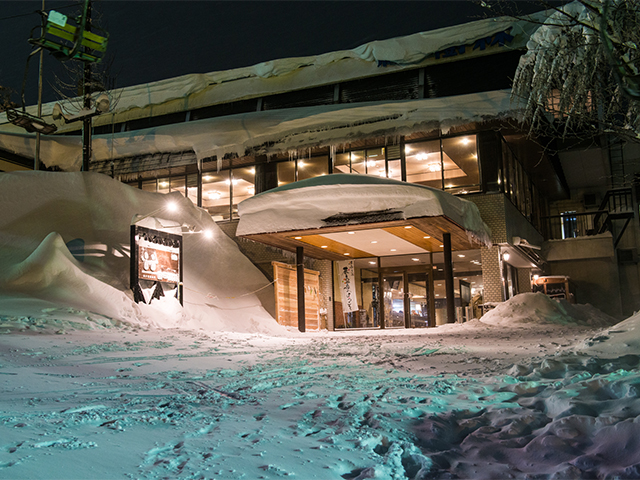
column 342, row 216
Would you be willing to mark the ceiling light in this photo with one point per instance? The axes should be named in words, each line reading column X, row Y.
column 441, row 246
column 460, row 255
column 408, row 226
column 298, row 238
column 351, row 233
column 374, row 241
column 347, row 253
column 427, row 236
column 415, row 259
column 394, row 250
column 465, row 140
column 215, row 195
column 323, row 246
column 372, row 263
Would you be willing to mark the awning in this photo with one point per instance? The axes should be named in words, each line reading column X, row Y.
column 357, row 216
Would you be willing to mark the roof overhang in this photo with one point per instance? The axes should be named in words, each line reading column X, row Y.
column 377, row 239
column 359, row 216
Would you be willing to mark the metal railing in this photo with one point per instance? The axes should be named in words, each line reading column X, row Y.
column 617, row 204
column 571, row 225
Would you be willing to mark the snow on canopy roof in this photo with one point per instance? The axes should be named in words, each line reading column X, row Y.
column 273, row 131
column 305, row 204
column 191, row 91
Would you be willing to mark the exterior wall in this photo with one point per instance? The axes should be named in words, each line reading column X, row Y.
column 492, row 210
column 491, row 274
column 591, row 265
column 524, row 280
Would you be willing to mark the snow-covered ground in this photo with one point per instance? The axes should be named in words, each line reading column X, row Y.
column 548, row 395
column 93, row 385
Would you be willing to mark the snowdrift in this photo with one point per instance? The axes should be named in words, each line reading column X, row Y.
column 529, row 308
column 64, row 244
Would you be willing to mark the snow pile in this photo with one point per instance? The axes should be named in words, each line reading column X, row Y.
column 538, row 308
column 45, row 215
column 304, row 204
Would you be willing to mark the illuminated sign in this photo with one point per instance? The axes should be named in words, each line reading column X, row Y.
column 500, row 39
column 155, row 257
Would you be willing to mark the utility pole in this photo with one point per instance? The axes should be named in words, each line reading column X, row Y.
column 36, row 158
column 86, row 92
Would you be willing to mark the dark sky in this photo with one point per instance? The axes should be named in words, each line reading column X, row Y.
column 154, row 40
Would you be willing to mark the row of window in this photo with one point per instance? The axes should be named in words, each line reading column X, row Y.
column 449, row 164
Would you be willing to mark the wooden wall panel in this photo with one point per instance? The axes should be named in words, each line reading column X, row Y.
column 287, row 299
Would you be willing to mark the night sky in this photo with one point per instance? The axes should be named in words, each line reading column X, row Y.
column 154, row 40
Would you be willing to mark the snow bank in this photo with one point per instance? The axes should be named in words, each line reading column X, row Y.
column 305, row 204
column 64, row 243
column 528, row 308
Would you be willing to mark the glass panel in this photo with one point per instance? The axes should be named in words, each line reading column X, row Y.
column 460, row 156
column 368, row 315
column 342, row 163
column 418, row 300
column 394, row 300
column 358, row 161
column 149, row 185
column 313, row 167
column 286, row 172
column 395, row 169
column 243, row 185
column 375, row 162
column 424, row 165
column 192, row 188
column 177, row 184
column 215, row 194
column 163, row 185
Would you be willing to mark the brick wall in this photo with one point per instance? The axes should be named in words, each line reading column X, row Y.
column 524, row 280
column 491, row 274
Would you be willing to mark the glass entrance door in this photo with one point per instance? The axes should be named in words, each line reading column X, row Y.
column 394, row 304
column 406, row 299
column 418, row 300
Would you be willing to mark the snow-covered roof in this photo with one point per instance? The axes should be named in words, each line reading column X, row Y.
column 192, row 91
column 307, row 204
column 272, row 131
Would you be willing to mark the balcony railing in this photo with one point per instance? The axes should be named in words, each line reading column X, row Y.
column 571, row 225
column 617, row 204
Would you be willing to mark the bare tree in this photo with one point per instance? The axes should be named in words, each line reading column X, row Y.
column 579, row 76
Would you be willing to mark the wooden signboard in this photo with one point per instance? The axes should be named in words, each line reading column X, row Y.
column 287, row 297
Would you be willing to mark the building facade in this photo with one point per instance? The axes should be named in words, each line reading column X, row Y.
column 429, row 110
